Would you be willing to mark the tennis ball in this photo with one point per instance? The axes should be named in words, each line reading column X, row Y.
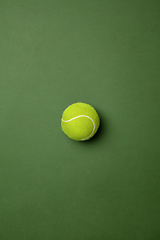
column 80, row 121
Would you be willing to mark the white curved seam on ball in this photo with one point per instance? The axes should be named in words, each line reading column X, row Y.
column 79, row 117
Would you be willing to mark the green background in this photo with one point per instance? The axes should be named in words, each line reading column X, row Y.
column 102, row 52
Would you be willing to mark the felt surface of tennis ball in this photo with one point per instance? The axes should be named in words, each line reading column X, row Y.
column 80, row 121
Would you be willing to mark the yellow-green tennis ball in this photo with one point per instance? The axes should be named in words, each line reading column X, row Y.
column 80, row 121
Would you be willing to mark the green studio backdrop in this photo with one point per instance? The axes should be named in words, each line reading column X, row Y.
column 102, row 52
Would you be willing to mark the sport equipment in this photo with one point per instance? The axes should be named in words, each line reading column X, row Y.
column 80, row 121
